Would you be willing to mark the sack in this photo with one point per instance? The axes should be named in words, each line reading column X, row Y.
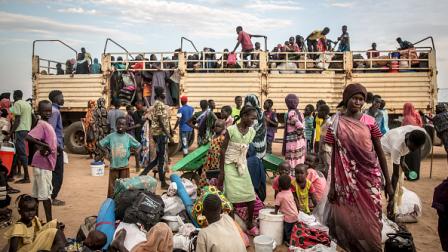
column 146, row 183
column 190, row 188
column 147, row 210
column 304, row 237
column 231, row 59
column 123, row 201
column 128, row 79
column 173, row 205
column 410, row 208
column 400, row 242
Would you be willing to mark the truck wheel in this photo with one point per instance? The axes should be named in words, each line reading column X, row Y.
column 74, row 138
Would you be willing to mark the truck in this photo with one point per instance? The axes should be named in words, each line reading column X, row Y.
column 269, row 75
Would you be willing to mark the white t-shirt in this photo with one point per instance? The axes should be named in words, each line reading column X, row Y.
column 394, row 144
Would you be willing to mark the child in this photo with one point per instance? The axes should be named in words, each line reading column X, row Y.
column 226, row 115
column 44, row 160
column 214, row 153
column 203, row 121
column 303, row 189
column 130, row 124
column 284, row 201
column 28, row 234
column 309, row 121
column 283, row 169
column 184, row 114
column 271, row 123
column 294, row 144
column 322, row 117
column 344, row 45
column 324, row 152
column 236, row 110
column 5, row 125
column 120, row 144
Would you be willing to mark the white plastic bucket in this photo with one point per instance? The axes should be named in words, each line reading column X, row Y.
column 264, row 243
column 271, row 225
column 97, row 170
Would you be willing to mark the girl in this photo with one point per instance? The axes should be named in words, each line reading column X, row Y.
column 411, row 116
column 259, row 125
column 284, row 202
column 270, row 118
column 294, row 145
column 226, row 115
column 234, row 173
column 304, row 190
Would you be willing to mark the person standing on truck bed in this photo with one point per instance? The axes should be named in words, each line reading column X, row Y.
column 314, row 37
column 246, row 44
column 404, row 44
column 113, row 114
column 22, row 124
column 57, row 99
column 344, row 44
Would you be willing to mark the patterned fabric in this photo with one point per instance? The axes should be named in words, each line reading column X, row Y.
column 91, row 133
column 304, row 237
column 213, row 158
column 355, row 220
column 198, row 204
column 295, row 143
column 303, row 194
column 159, row 109
column 259, row 141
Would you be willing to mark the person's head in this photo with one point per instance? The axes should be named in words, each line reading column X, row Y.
column 116, row 103
column 284, row 182
column 95, row 240
column 101, row 102
column 183, row 100
column 45, row 109
column 139, row 104
column 320, row 102
column 17, row 95
column 344, row 28
column 95, row 60
column 287, row 43
column 80, row 56
column 83, row 50
column 399, row 40
column 56, row 97
column 284, row 168
column 219, row 126
column 354, row 97
column 301, row 171
column 203, row 104
column 238, row 101
column 159, row 93
column 120, row 59
column 211, row 104
column 212, row 208
column 325, row 31
column 292, row 101
column 248, row 115
column 323, row 111
column 27, row 207
column 309, row 109
column 291, row 40
column 376, row 104
column 121, row 125
column 408, row 109
column 440, row 108
column 58, row 65
column 382, row 104
column 373, row 46
column 226, row 111
column 239, row 29
column 415, row 139
column 311, row 160
column 4, row 113
column 129, row 109
column 257, row 45
column 252, row 100
column 267, row 105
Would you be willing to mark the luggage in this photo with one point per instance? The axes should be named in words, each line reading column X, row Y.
column 146, row 183
column 146, row 210
column 231, row 59
column 124, row 200
column 402, row 241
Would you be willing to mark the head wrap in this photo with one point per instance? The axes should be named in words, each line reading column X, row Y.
column 292, row 101
column 350, row 91
column 184, row 99
column 411, row 116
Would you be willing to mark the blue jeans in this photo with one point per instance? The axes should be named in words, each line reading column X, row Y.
column 161, row 141
column 185, row 137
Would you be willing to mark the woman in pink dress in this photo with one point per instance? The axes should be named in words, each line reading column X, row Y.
column 294, row 143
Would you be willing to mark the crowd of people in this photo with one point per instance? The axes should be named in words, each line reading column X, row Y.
column 316, row 146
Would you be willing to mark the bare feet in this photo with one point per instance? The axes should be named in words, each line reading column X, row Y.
column 117, row 244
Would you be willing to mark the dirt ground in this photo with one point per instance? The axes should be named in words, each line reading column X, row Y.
column 84, row 194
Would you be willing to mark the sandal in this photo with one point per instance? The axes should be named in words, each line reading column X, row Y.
column 253, row 231
column 12, row 191
column 22, row 181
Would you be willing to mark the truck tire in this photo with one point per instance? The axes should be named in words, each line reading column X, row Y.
column 74, row 138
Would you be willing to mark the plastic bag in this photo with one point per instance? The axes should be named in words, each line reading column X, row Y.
column 134, row 235
column 231, row 59
column 146, row 210
column 173, row 205
column 410, row 208
column 389, row 227
column 146, row 183
column 190, row 188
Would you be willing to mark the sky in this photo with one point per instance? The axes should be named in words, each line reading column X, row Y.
column 158, row 25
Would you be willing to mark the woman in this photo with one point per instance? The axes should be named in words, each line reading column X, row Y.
column 234, row 173
column 354, row 217
column 294, row 143
column 259, row 126
column 91, row 134
column 411, row 116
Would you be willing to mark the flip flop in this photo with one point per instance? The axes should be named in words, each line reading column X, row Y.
column 22, row 181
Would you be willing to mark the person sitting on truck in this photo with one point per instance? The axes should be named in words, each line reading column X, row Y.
column 404, row 44
column 95, row 68
column 344, row 44
column 300, row 41
column 86, row 55
column 59, row 70
column 314, row 37
column 69, row 66
column 373, row 53
column 113, row 114
column 244, row 39
column 82, row 66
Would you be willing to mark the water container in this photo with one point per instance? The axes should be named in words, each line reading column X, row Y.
column 7, row 155
column 264, row 243
column 271, row 225
column 97, row 169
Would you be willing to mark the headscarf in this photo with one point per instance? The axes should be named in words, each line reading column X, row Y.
column 411, row 116
column 259, row 141
column 350, row 91
column 158, row 239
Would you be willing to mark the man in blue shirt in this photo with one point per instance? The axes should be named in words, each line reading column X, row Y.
column 57, row 99
column 184, row 115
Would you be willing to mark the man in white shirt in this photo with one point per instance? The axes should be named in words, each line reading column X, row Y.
column 399, row 142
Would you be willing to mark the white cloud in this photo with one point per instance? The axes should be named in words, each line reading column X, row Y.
column 341, row 4
column 259, row 5
column 78, row 10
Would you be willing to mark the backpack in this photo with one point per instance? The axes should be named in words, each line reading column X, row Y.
column 400, row 242
column 146, row 210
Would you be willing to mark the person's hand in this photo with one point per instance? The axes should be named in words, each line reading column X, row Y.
column 390, row 210
column 332, row 196
column 274, row 213
column 170, row 139
column 60, row 226
column 389, row 192
column 6, row 138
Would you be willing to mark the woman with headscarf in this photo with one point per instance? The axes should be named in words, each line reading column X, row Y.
column 88, row 123
column 259, row 126
column 358, row 163
column 294, row 143
column 411, row 116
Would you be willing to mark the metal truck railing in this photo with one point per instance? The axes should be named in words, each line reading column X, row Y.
column 414, row 59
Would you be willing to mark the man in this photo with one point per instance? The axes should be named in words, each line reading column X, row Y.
column 404, row 44
column 314, row 37
column 397, row 143
column 344, row 44
column 113, row 114
column 184, row 114
column 57, row 99
column 86, row 55
column 373, row 53
column 21, row 127
column 221, row 234
column 246, row 44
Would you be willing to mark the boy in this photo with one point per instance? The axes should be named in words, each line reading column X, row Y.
column 284, row 202
column 44, row 160
column 226, row 115
column 246, row 44
column 283, row 169
column 236, row 110
column 184, row 114
column 303, row 189
column 309, row 123
column 120, row 144
column 322, row 117
column 221, row 234
column 344, row 45
column 203, row 121
column 113, row 114
column 271, row 120
column 324, row 152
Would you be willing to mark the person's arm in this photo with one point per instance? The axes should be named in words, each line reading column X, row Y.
column 16, row 123
column 277, row 207
column 177, row 121
column 296, row 200
column 236, row 46
column 383, row 164
column 225, row 144
column 192, row 123
column 256, row 36
column 35, row 141
column 313, row 199
column 14, row 244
